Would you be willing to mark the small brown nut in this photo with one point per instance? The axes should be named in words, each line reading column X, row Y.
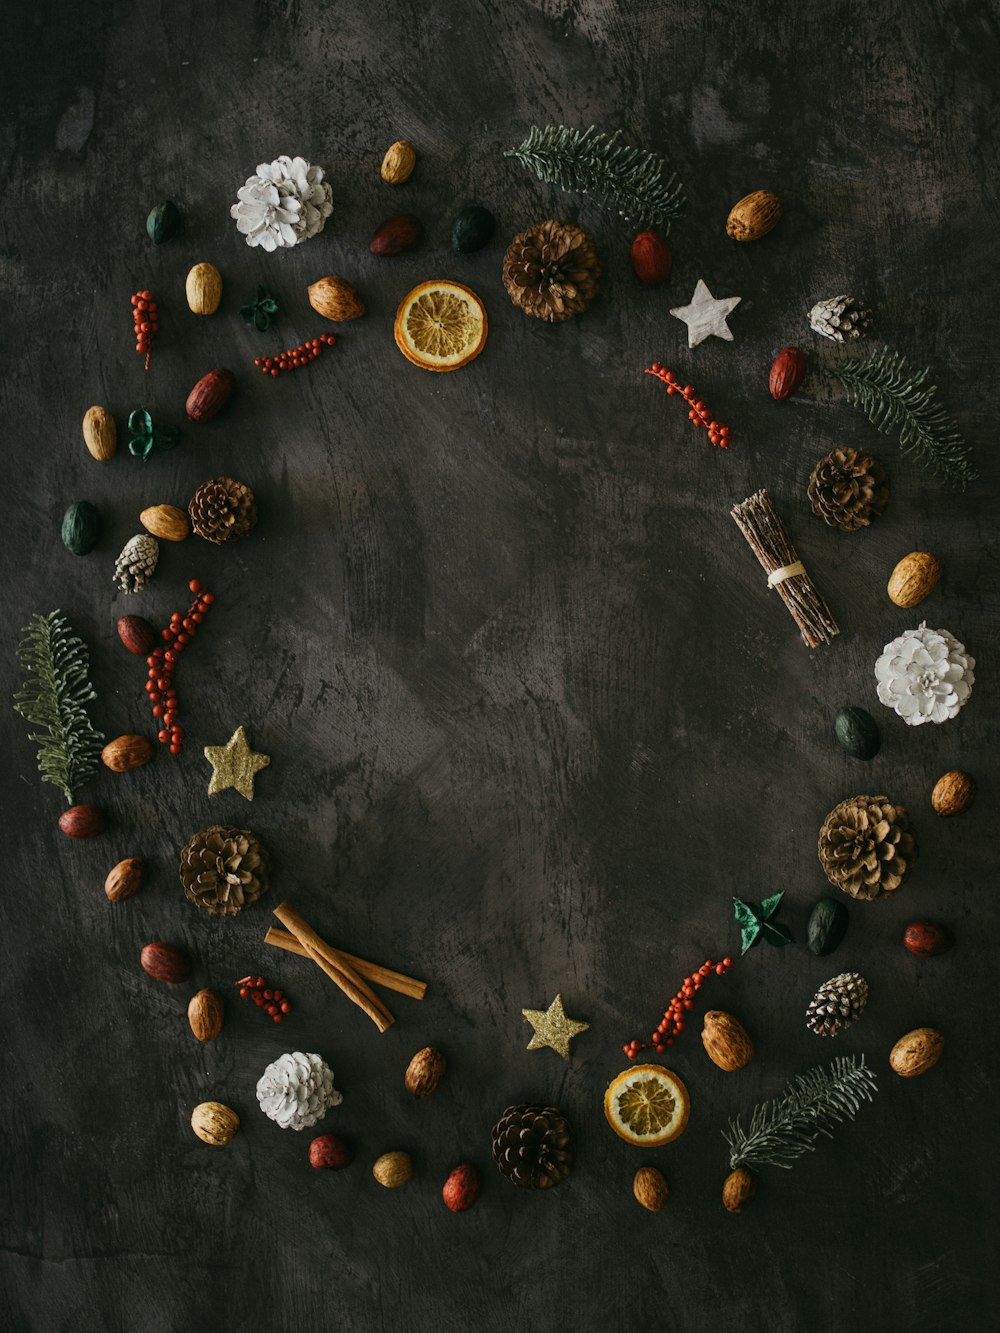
column 726, row 1040
column 953, row 793
column 165, row 962
column 124, row 879
column 754, row 216
column 398, row 163
column 650, row 1188
column 334, row 298
column 739, row 1189
column 203, row 287
column 425, row 1071
column 214, row 1123
column 917, row 1052
column 166, row 522
column 82, row 821
column 914, row 578
column 393, row 1169
column 100, row 434
column 126, row 752
column 205, row 1015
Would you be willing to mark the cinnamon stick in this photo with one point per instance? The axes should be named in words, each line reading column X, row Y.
column 337, row 969
column 381, row 976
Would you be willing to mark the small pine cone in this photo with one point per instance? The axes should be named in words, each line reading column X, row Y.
column 297, row 1090
column 837, row 1004
column 838, row 318
column 224, row 869
column 552, row 271
column 533, row 1146
column 223, row 510
column 848, row 488
column 134, row 567
column 866, row 846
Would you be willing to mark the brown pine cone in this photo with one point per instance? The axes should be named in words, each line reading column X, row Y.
column 223, row 510
column 866, row 846
column 224, row 869
column 533, row 1146
column 848, row 488
column 552, row 270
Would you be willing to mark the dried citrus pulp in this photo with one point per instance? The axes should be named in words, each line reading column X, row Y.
column 441, row 325
column 647, row 1105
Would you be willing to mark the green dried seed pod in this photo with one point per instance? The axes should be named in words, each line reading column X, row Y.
column 163, row 222
column 858, row 733
column 81, row 527
column 471, row 230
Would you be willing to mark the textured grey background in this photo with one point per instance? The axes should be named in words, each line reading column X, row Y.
column 533, row 716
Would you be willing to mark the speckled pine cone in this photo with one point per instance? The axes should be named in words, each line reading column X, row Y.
column 848, row 488
column 837, row 1004
column 552, row 271
column 866, row 846
column 224, row 869
column 223, row 510
column 533, row 1146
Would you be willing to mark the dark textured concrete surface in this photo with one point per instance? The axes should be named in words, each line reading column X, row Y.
column 534, row 717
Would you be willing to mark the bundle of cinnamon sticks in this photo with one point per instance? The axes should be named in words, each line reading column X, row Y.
column 345, row 970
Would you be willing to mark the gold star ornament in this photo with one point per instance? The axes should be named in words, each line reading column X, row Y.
column 235, row 765
column 553, row 1028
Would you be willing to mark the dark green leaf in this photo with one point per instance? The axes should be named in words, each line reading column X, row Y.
column 768, row 906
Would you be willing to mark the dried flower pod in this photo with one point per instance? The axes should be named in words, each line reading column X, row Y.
column 461, row 1190
column 393, row 1169
column 137, row 634
column 330, row 1152
column 124, row 879
column 425, row 1072
column 214, row 1123
column 163, row 222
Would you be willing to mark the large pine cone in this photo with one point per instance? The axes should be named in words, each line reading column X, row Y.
column 552, row 270
column 837, row 1004
column 224, row 869
column 297, row 1090
column 223, row 510
column 848, row 488
column 866, row 846
column 533, row 1146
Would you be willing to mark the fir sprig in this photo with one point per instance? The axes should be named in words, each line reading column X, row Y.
column 639, row 184
column 811, row 1105
column 53, row 699
column 898, row 401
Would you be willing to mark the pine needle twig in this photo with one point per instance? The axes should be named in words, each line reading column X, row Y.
column 637, row 183
column 53, row 699
column 811, row 1105
column 897, row 400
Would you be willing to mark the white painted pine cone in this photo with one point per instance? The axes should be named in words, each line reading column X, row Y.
column 284, row 202
column 925, row 675
column 297, row 1090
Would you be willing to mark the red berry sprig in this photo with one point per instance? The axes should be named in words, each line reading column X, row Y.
column 146, row 318
column 698, row 412
column 273, row 1002
column 672, row 1023
column 295, row 356
column 162, row 663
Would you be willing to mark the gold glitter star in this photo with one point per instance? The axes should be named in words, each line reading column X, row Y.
column 235, row 764
column 553, row 1028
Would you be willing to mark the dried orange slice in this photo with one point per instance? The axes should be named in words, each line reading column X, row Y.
column 440, row 325
column 647, row 1105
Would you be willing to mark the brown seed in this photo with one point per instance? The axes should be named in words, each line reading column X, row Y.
column 754, row 216
column 914, row 578
column 203, row 287
column 739, row 1189
column 398, row 163
column 393, row 1169
column 425, row 1071
column 166, row 522
column 124, row 879
column 726, row 1040
column 214, row 1123
column 650, row 1188
column 953, row 793
column 205, row 1012
column 100, row 434
column 126, row 752
column 335, row 298
column 917, row 1052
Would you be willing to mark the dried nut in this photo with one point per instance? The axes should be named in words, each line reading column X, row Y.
column 395, row 235
column 788, row 370
column 651, row 258
column 166, row 522
column 336, row 299
column 726, row 1040
column 81, row 528
column 124, row 879
column 754, row 216
column 424, row 1072
column 126, row 752
column 739, row 1189
column 913, row 578
column 203, row 286
column 398, row 163
column 926, row 940
column 650, row 1188
column 917, row 1052
column 100, row 434
column 138, row 635
column 205, row 1015
column 214, row 1123
column 82, row 821
column 393, row 1169
column 461, row 1190
column 165, row 962
column 330, row 1151
column 953, row 793
column 210, row 395
column 162, row 222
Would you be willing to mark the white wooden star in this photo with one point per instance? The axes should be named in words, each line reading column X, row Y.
column 706, row 316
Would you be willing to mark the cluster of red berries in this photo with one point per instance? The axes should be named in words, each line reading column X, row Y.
column 295, row 356
column 146, row 317
column 672, row 1023
column 162, row 663
column 698, row 413
column 273, row 1002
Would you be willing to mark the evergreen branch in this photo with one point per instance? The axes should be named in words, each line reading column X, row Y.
column 811, row 1105
column 639, row 184
column 898, row 400
column 53, row 699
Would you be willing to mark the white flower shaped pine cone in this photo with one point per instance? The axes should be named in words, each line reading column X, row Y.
column 297, row 1090
column 925, row 675
column 285, row 202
